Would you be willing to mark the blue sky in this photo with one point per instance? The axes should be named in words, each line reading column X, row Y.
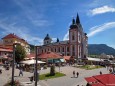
column 33, row 19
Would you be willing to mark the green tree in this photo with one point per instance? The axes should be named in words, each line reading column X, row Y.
column 20, row 53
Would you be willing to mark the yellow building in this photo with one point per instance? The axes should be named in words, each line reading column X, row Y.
column 10, row 39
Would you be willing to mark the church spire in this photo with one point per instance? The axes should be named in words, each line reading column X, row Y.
column 57, row 39
column 73, row 21
column 77, row 19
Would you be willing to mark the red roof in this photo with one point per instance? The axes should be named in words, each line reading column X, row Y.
column 106, row 79
column 31, row 55
column 6, row 50
column 90, row 79
column 13, row 36
column 102, row 80
column 67, row 57
column 49, row 55
column 98, row 84
column 93, row 81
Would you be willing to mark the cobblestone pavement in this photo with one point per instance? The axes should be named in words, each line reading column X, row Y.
column 67, row 80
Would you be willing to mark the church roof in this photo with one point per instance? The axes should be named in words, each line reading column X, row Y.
column 75, row 23
column 77, row 19
column 47, row 37
column 57, row 43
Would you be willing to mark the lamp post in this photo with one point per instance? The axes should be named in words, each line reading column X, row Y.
column 36, row 73
column 13, row 61
column 13, row 64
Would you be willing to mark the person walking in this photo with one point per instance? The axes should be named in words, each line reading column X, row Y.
column 21, row 72
column 100, row 72
column 31, row 78
column 77, row 74
column 73, row 73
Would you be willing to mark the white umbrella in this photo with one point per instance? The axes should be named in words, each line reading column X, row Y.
column 29, row 62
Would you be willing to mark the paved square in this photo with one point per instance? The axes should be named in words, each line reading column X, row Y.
column 67, row 80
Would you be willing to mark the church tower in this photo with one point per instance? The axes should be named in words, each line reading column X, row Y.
column 75, row 34
column 47, row 39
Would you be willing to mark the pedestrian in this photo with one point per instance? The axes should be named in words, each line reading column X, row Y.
column 31, row 78
column 110, row 70
column 100, row 72
column 77, row 74
column 0, row 71
column 21, row 72
column 73, row 73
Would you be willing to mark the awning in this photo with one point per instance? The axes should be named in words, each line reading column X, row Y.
column 29, row 62
column 62, row 60
column 94, row 59
column 50, row 60
column 56, row 61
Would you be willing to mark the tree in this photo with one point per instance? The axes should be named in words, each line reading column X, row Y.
column 20, row 53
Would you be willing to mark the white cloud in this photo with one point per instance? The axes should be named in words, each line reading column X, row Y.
column 101, row 10
column 54, row 39
column 66, row 37
column 97, row 29
column 20, row 31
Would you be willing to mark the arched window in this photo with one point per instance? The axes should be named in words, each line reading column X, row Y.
column 67, row 49
column 73, row 37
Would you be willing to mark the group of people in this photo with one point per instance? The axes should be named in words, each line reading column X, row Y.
column 75, row 73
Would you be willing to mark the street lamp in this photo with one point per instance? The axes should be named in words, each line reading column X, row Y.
column 14, row 45
column 36, row 73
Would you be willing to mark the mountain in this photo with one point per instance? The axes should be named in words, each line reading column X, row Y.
column 97, row 49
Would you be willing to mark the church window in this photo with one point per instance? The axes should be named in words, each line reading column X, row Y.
column 59, row 49
column 63, row 49
column 73, row 48
column 55, row 49
column 73, row 37
column 67, row 49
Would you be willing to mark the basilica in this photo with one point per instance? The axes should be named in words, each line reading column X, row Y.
column 76, row 46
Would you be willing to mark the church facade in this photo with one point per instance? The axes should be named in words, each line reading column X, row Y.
column 76, row 46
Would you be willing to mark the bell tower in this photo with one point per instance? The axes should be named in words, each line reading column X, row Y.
column 47, row 39
column 75, row 35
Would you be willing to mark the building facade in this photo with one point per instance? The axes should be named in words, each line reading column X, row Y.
column 10, row 39
column 76, row 46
